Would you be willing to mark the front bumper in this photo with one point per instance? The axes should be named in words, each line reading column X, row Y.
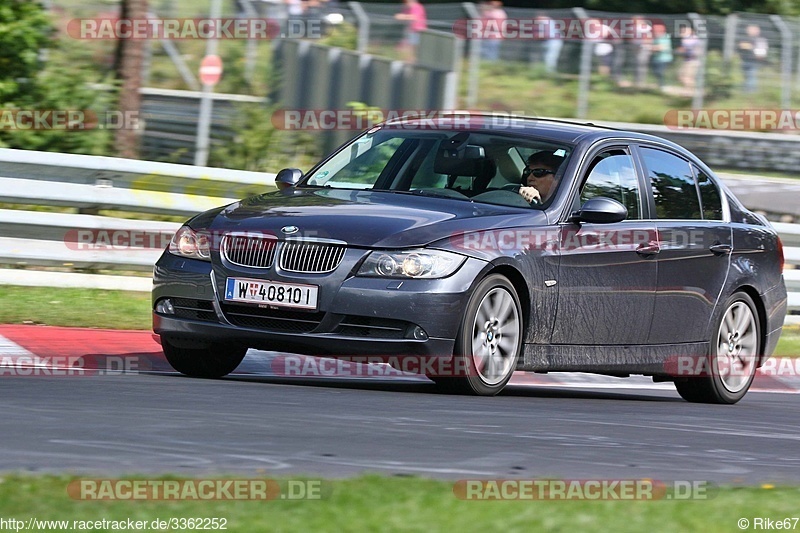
column 357, row 316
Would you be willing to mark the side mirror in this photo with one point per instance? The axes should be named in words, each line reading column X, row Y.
column 600, row 210
column 288, row 177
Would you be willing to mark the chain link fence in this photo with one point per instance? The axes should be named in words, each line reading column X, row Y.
column 740, row 61
column 745, row 59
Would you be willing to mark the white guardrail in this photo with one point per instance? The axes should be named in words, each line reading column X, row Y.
column 90, row 183
column 35, row 234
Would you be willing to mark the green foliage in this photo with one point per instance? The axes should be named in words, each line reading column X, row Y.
column 789, row 343
column 24, row 32
column 344, row 35
column 235, row 76
column 38, row 73
column 260, row 146
column 369, row 114
column 722, row 77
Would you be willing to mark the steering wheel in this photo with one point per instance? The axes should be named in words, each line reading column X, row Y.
column 515, row 187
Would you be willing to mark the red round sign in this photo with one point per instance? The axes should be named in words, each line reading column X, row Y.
column 210, row 70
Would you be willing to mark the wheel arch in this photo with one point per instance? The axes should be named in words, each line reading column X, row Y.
column 520, row 285
column 761, row 314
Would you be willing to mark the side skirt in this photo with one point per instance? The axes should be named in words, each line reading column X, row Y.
column 653, row 360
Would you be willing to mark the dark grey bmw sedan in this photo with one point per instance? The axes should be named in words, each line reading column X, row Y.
column 468, row 252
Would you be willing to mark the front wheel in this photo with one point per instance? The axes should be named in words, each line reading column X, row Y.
column 733, row 356
column 205, row 361
column 489, row 340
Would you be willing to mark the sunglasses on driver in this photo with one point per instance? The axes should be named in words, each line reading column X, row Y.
column 537, row 172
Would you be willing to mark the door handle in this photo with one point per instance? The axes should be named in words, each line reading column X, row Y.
column 649, row 248
column 720, row 248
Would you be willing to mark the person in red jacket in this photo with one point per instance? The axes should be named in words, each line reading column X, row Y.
column 416, row 21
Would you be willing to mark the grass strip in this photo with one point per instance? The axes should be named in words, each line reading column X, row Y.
column 381, row 503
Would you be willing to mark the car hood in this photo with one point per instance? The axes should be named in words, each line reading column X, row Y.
column 364, row 218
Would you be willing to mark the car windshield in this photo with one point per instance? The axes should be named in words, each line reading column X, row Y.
column 472, row 166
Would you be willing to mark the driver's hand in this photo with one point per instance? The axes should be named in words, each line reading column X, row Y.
column 531, row 194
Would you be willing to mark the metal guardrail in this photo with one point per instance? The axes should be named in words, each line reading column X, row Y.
column 59, row 239
column 170, row 120
column 92, row 184
column 747, row 151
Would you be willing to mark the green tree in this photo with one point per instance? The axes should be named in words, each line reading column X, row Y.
column 24, row 32
column 128, row 66
column 39, row 72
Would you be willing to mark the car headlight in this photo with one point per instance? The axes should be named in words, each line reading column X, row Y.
column 411, row 264
column 190, row 243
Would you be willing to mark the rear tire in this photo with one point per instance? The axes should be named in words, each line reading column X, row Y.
column 488, row 342
column 733, row 356
column 212, row 361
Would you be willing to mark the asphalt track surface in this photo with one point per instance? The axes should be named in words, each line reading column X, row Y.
column 259, row 424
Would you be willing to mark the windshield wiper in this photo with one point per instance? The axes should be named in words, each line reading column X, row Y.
column 429, row 192
column 426, row 192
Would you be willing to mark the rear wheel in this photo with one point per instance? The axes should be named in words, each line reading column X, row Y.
column 489, row 340
column 733, row 356
column 204, row 361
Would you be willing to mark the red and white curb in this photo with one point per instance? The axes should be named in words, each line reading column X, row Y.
column 47, row 347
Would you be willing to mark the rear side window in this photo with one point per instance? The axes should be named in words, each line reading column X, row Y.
column 673, row 185
column 709, row 196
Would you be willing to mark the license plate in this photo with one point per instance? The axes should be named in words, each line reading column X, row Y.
column 274, row 293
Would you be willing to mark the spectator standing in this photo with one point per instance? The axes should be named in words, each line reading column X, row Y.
column 493, row 16
column 294, row 9
column 753, row 50
column 662, row 52
column 552, row 47
column 416, row 20
column 312, row 11
column 552, row 41
column 604, row 47
column 642, row 44
column 689, row 50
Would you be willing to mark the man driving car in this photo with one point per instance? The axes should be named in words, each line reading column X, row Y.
column 539, row 177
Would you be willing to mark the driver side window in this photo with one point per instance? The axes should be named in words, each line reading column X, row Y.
column 612, row 175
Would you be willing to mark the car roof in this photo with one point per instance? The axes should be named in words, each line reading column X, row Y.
column 568, row 131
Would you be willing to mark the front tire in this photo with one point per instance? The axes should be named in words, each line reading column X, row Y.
column 206, row 361
column 733, row 356
column 489, row 340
